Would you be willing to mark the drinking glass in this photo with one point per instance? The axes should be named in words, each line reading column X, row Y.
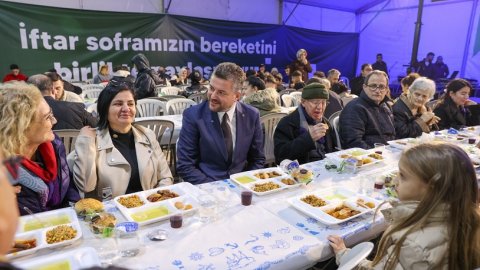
column 208, row 208
column 127, row 239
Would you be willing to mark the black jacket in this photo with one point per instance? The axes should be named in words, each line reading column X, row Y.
column 451, row 116
column 335, row 104
column 292, row 142
column 406, row 124
column 70, row 115
column 363, row 123
column 146, row 78
column 356, row 84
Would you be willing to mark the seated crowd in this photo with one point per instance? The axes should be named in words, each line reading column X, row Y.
column 223, row 135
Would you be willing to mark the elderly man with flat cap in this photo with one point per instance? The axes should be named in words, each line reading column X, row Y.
column 305, row 134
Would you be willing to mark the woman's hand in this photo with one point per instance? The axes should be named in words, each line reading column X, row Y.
column 336, row 242
column 470, row 102
column 88, row 131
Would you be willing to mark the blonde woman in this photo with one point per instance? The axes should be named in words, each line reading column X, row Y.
column 103, row 75
column 436, row 223
column 41, row 176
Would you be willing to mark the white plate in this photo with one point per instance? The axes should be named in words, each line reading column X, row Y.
column 249, row 179
column 334, row 197
column 70, row 260
column 30, row 227
column 355, row 256
column 151, row 212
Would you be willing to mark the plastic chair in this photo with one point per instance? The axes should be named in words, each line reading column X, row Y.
column 92, row 108
column 178, row 105
column 150, row 107
column 198, row 98
column 296, row 98
column 357, row 254
column 69, row 137
column 91, row 93
column 334, row 121
column 287, row 100
column 87, row 87
column 162, row 127
column 269, row 123
column 170, row 90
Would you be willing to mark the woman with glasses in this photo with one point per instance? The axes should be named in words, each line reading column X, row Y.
column 305, row 134
column 411, row 115
column 119, row 157
column 38, row 166
column 452, row 108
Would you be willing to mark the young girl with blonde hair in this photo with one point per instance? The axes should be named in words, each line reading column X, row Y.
column 436, row 223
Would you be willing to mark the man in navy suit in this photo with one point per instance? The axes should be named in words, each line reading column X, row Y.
column 220, row 136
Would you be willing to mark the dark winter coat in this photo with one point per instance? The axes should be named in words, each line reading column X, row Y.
column 147, row 79
column 291, row 141
column 363, row 123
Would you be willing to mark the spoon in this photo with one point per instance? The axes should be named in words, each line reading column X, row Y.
column 44, row 224
column 157, row 235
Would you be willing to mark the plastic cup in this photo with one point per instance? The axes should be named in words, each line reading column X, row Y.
column 128, row 242
column 208, row 208
column 176, row 221
column 247, row 198
column 379, row 183
column 379, row 148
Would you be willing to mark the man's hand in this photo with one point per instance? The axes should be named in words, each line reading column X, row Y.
column 318, row 131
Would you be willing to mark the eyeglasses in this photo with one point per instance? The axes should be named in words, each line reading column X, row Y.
column 51, row 117
column 375, row 86
column 319, row 103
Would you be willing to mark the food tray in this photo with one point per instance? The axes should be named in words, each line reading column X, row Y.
column 333, row 197
column 70, row 260
column 249, row 179
column 403, row 143
column 151, row 212
column 30, row 227
column 357, row 153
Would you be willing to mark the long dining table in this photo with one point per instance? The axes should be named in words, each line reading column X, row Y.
column 269, row 234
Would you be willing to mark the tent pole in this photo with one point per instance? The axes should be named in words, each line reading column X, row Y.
column 280, row 11
column 416, row 37
column 469, row 38
column 293, row 10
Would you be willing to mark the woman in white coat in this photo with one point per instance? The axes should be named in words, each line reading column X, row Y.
column 120, row 156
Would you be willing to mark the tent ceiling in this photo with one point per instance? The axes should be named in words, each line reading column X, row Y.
column 356, row 6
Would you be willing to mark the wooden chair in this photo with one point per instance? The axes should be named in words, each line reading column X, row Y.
column 150, row 107
column 178, row 105
column 269, row 124
column 69, row 137
column 170, row 90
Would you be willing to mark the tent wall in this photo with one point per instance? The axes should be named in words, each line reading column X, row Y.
column 390, row 31
column 319, row 18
